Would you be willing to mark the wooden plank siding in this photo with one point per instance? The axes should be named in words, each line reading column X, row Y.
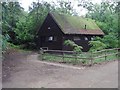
column 51, row 28
column 82, row 42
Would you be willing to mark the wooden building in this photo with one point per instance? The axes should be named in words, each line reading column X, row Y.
column 57, row 28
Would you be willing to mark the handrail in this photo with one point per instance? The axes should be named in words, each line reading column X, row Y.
column 106, row 55
column 105, row 50
column 59, row 51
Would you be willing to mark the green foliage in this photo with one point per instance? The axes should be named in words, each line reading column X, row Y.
column 4, row 42
column 26, row 24
column 106, row 16
column 97, row 45
column 11, row 45
column 69, row 43
column 103, row 26
column 76, row 47
column 11, row 12
column 110, row 40
column 65, row 7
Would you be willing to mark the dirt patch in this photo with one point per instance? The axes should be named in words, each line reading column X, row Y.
column 12, row 58
column 23, row 70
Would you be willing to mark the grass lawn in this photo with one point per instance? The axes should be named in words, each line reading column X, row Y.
column 108, row 58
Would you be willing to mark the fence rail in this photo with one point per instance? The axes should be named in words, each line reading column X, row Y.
column 89, row 57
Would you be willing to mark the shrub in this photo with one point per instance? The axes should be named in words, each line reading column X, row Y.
column 76, row 47
column 110, row 40
column 4, row 42
column 96, row 45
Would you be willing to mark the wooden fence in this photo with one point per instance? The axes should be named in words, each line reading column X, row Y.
column 89, row 57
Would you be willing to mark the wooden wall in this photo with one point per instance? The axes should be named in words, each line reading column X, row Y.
column 50, row 28
column 82, row 42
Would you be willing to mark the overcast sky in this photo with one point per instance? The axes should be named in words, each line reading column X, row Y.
column 26, row 3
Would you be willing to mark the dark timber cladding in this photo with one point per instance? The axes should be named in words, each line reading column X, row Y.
column 57, row 28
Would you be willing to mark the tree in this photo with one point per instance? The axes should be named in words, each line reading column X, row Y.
column 64, row 8
column 106, row 16
column 22, row 26
column 11, row 12
column 34, row 19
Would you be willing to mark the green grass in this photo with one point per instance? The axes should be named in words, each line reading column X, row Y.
column 108, row 58
column 74, row 60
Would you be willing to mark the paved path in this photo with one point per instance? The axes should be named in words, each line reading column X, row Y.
column 32, row 73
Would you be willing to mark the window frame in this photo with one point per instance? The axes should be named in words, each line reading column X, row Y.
column 53, row 38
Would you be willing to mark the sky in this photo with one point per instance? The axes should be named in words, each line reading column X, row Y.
column 81, row 11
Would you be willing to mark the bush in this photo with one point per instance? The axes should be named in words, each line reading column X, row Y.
column 96, row 45
column 76, row 47
column 4, row 42
column 110, row 40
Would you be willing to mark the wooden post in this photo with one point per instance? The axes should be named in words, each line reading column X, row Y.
column 105, row 55
column 41, row 53
column 91, row 57
column 75, row 57
column 63, row 55
column 118, row 53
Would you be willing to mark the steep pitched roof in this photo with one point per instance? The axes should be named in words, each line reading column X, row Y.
column 76, row 25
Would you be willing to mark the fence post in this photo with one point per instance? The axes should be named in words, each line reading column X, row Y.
column 118, row 50
column 76, row 56
column 91, row 57
column 118, row 54
column 63, row 56
column 41, row 53
column 105, row 55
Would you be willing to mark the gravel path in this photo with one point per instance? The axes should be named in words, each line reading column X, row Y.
column 31, row 73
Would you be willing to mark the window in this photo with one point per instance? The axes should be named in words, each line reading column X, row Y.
column 49, row 28
column 92, row 38
column 86, row 38
column 51, row 38
column 76, row 38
